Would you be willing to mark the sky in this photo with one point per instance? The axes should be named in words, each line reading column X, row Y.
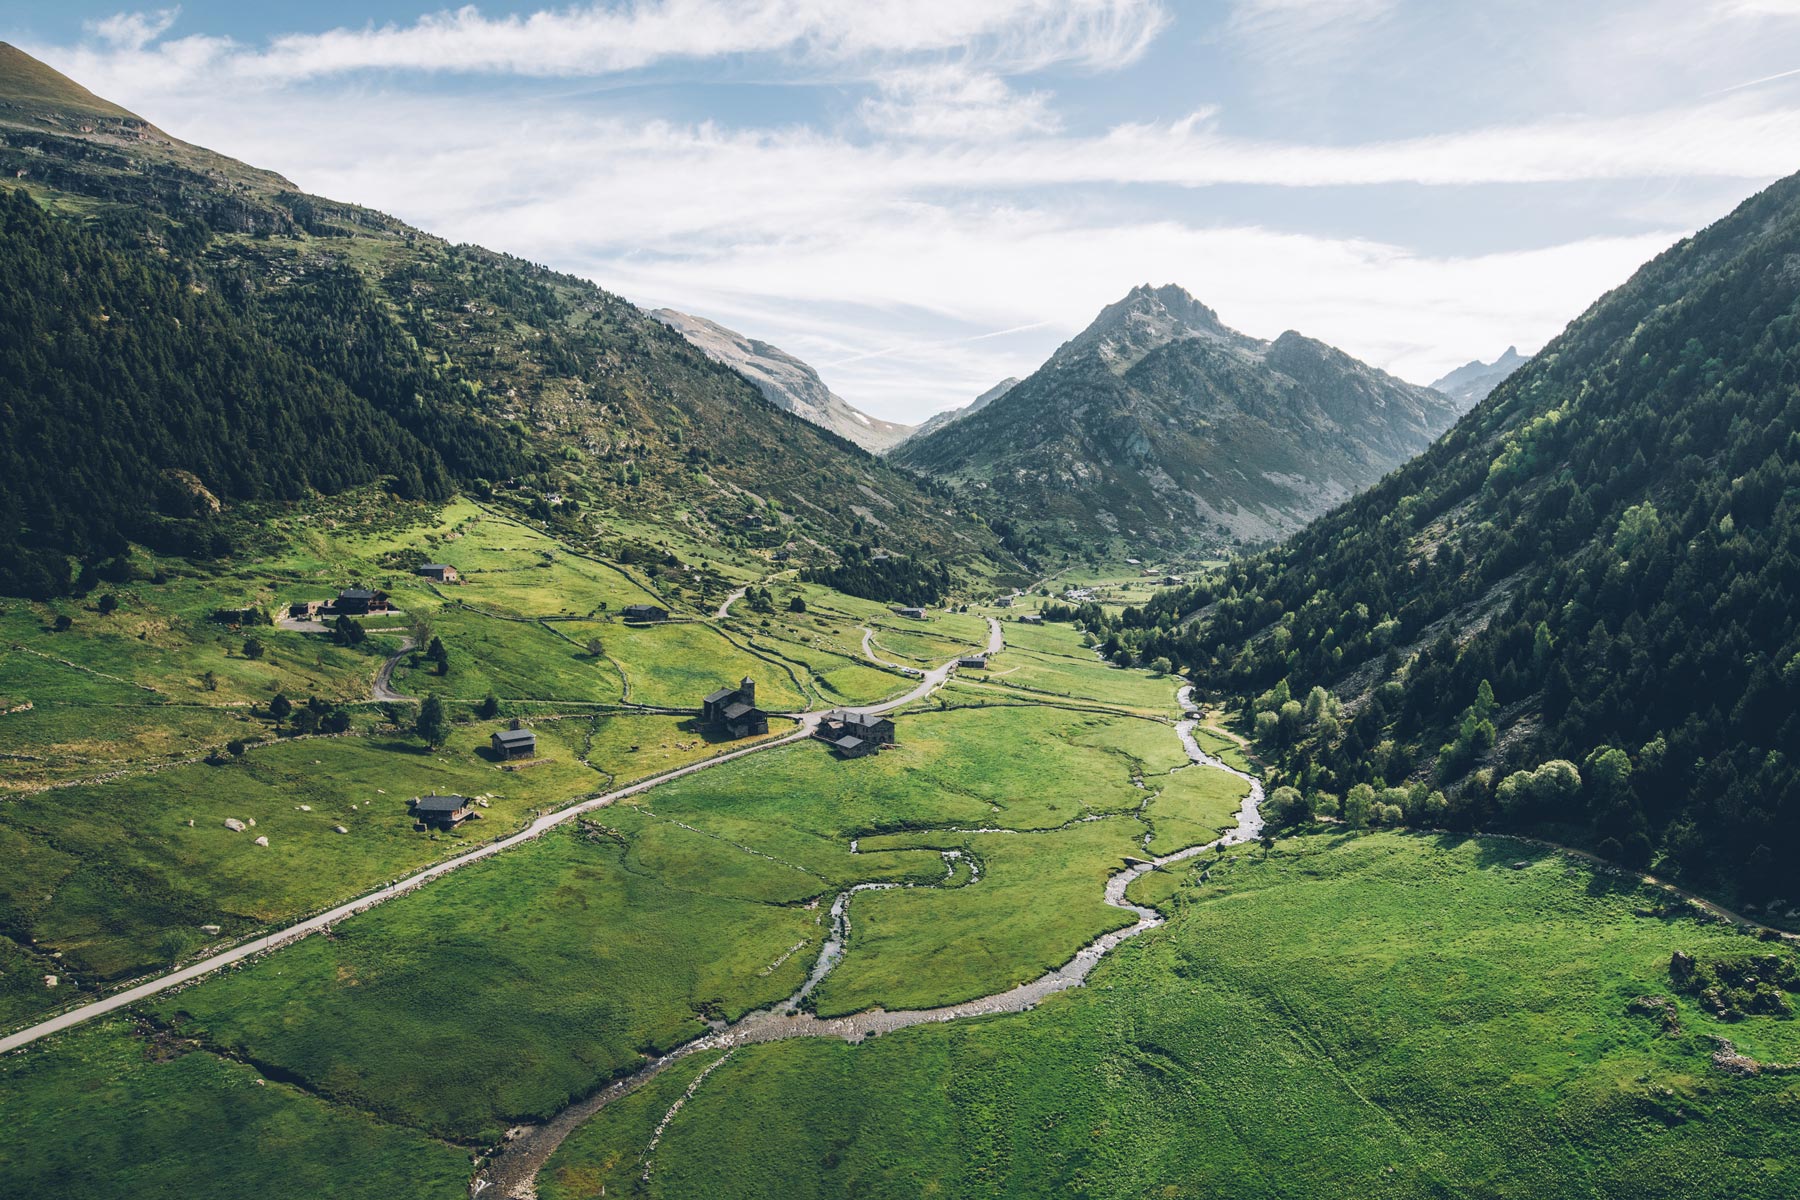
column 922, row 197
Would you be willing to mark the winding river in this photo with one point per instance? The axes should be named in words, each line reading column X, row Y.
column 513, row 1170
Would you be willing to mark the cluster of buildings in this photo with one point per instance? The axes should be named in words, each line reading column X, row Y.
column 731, row 712
column 350, row 602
column 854, row 734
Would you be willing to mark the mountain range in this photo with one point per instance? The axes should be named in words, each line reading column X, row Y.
column 1470, row 383
column 938, row 420
column 785, row 381
column 1160, row 426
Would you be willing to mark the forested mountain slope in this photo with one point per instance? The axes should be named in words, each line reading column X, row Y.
column 1599, row 565
column 360, row 348
column 1160, row 426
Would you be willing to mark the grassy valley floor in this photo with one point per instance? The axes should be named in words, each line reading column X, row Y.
column 1372, row 1016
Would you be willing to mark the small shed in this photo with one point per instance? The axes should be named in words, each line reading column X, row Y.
column 442, row 810
column 1031, row 618
column 441, row 572
column 975, row 662
column 515, row 743
column 644, row 612
column 917, row 614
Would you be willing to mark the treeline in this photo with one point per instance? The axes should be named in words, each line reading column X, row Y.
column 138, row 393
column 1598, row 568
column 890, row 579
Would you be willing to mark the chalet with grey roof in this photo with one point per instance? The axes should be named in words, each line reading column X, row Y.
column 515, row 743
column 854, row 734
column 443, row 811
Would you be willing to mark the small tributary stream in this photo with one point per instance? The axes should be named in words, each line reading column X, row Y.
column 512, row 1172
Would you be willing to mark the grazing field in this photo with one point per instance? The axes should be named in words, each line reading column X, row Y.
column 61, row 743
column 965, row 767
column 161, row 646
column 519, row 983
column 1382, row 1015
column 511, row 659
column 1192, row 805
column 1057, row 675
column 676, row 665
column 1037, row 901
column 115, row 877
column 834, row 676
column 1213, row 739
column 114, row 1109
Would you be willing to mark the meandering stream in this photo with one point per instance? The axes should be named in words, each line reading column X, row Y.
column 513, row 1170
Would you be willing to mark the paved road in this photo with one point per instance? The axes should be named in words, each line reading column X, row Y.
column 808, row 721
column 725, row 605
column 384, row 678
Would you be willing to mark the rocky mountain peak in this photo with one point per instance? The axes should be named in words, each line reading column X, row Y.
column 1145, row 319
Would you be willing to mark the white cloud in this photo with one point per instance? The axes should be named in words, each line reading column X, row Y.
column 950, row 102
column 1757, row 8
column 133, row 30
column 598, row 39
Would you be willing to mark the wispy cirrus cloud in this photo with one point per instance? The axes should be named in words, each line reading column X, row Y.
column 600, row 39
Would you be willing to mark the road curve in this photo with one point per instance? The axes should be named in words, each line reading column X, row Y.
column 384, row 677
column 808, row 721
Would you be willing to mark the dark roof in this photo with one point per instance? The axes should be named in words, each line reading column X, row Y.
column 445, row 804
column 844, row 716
column 437, row 567
column 644, row 608
column 721, row 694
column 519, row 736
column 740, row 709
column 848, row 742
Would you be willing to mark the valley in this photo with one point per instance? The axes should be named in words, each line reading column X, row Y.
column 464, row 735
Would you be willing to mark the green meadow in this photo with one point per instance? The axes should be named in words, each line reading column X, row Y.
column 114, row 877
column 706, row 897
column 675, row 665
column 1358, row 1016
column 114, row 1109
column 515, row 985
